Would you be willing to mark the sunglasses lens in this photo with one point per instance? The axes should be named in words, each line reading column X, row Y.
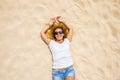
column 60, row 32
column 55, row 33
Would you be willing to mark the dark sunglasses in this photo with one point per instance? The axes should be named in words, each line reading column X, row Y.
column 60, row 32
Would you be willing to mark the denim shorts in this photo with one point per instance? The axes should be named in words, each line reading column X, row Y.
column 69, row 72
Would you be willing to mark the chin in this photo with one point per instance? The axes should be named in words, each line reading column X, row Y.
column 59, row 39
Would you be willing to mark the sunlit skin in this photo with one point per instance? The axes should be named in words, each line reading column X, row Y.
column 59, row 37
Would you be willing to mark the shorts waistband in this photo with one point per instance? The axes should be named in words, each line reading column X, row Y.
column 62, row 68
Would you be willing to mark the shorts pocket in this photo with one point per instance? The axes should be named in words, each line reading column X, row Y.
column 71, row 68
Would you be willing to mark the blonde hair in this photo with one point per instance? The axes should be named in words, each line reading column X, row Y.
column 56, row 25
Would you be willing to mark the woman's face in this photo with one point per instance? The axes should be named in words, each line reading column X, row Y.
column 59, row 34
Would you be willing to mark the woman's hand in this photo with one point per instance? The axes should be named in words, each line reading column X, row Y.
column 59, row 19
column 52, row 20
column 55, row 19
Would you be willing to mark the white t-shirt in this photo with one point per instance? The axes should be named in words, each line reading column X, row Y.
column 61, row 53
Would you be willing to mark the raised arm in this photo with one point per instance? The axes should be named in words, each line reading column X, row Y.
column 70, row 29
column 44, row 36
column 70, row 33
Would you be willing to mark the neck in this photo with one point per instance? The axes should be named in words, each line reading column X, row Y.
column 60, row 41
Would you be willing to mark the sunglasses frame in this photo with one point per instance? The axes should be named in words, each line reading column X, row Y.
column 59, row 32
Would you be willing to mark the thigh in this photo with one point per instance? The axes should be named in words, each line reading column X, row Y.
column 57, row 75
column 69, row 78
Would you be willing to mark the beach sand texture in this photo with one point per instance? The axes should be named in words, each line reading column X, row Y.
column 95, row 47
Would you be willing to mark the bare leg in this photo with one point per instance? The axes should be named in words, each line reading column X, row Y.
column 69, row 78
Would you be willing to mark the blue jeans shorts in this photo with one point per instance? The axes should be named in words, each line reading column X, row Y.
column 68, row 72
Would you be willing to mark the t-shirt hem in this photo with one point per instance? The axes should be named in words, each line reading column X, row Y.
column 62, row 66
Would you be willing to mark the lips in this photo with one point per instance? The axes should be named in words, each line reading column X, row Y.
column 59, row 36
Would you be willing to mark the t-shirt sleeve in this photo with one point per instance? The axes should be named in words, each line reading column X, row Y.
column 67, row 41
column 51, row 43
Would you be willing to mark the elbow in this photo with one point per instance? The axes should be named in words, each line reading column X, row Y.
column 41, row 33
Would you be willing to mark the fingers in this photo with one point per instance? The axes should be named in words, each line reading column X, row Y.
column 52, row 20
column 55, row 19
column 58, row 17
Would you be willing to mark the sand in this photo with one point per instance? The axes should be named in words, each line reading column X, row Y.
column 95, row 47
